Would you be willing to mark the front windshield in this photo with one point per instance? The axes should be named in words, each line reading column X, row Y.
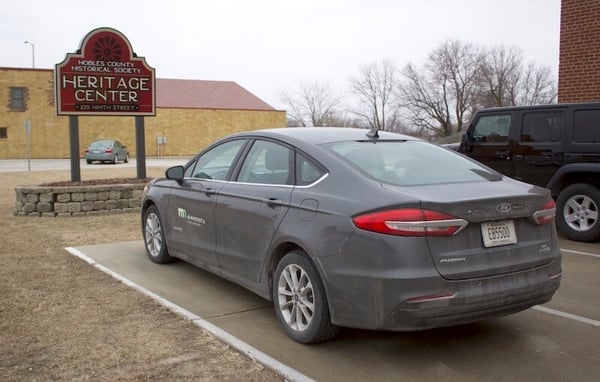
column 408, row 163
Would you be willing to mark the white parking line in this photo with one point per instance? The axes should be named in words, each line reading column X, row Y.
column 570, row 316
column 580, row 253
column 285, row 371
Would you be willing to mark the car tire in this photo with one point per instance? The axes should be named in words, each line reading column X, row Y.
column 300, row 301
column 116, row 159
column 126, row 158
column 154, row 237
column 89, row 161
column 577, row 212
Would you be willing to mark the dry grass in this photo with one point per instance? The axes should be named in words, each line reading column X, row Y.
column 63, row 320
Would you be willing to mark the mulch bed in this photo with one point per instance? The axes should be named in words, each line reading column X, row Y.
column 98, row 182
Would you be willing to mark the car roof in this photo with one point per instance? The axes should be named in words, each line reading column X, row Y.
column 323, row 135
column 542, row 107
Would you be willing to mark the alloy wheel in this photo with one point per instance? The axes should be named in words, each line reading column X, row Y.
column 580, row 213
column 154, row 240
column 295, row 297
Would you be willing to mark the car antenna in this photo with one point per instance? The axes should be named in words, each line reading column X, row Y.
column 373, row 133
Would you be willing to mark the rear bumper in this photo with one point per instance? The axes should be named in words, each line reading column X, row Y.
column 462, row 309
column 403, row 305
column 99, row 157
column 372, row 289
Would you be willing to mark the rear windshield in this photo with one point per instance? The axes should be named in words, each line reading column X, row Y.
column 408, row 163
column 101, row 144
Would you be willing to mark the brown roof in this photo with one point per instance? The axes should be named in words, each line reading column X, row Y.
column 199, row 94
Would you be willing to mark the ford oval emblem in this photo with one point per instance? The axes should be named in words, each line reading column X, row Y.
column 503, row 207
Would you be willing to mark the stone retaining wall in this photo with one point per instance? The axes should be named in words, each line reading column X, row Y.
column 78, row 200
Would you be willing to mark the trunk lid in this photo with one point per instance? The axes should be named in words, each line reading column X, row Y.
column 499, row 207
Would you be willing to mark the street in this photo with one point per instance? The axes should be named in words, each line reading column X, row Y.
column 11, row 165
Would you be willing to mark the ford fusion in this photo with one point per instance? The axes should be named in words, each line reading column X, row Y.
column 353, row 228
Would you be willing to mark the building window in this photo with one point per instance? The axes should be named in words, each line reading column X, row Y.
column 17, row 98
column 3, row 132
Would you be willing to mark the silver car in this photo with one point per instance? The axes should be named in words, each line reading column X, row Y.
column 349, row 228
column 106, row 150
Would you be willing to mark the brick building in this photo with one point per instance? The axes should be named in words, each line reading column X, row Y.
column 189, row 113
column 579, row 60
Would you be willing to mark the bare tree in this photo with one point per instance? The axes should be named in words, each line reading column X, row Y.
column 439, row 99
column 505, row 81
column 375, row 88
column 500, row 74
column 537, row 86
column 458, row 78
column 313, row 103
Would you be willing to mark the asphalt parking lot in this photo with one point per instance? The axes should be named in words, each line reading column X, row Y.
column 555, row 342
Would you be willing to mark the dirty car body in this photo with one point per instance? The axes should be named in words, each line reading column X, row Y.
column 341, row 229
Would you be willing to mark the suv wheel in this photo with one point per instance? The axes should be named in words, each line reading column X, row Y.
column 577, row 214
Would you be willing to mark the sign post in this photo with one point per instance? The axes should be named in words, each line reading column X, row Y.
column 74, row 148
column 140, row 146
column 28, row 142
column 105, row 77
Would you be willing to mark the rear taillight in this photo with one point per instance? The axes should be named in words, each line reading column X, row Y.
column 410, row 222
column 546, row 214
column 87, row 150
column 108, row 150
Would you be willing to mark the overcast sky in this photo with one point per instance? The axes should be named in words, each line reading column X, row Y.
column 267, row 46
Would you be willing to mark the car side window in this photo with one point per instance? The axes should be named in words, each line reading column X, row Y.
column 492, row 128
column 267, row 163
column 215, row 163
column 306, row 171
column 541, row 127
column 586, row 126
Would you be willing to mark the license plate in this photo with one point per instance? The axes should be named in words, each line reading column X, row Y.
column 498, row 233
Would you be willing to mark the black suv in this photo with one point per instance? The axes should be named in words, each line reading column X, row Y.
column 555, row 146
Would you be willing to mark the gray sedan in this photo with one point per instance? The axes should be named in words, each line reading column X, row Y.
column 349, row 228
column 106, row 150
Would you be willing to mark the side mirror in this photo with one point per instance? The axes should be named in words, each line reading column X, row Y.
column 175, row 173
column 464, row 143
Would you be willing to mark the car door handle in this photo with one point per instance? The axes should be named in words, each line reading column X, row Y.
column 273, row 202
column 209, row 191
column 503, row 154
